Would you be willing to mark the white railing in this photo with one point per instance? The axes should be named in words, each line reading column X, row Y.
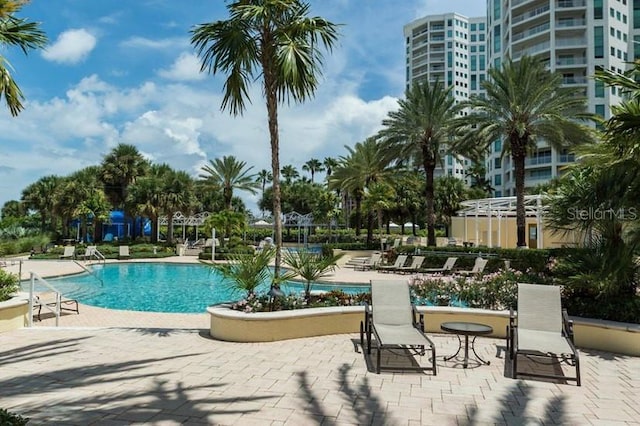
column 32, row 287
column 89, row 271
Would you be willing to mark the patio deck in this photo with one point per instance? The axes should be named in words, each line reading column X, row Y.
column 119, row 367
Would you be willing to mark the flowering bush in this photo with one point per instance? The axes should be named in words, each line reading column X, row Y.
column 262, row 303
column 497, row 290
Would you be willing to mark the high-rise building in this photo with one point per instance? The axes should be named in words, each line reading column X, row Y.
column 573, row 38
column 439, row 47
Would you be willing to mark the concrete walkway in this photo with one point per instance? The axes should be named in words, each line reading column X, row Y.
column 121, row 367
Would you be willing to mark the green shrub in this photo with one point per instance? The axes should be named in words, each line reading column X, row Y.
column 9, row 284
column 11, row 419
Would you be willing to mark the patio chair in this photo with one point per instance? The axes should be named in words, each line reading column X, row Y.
column 541, row 329
column 416, row 262
column 49, row 299
column 448, row 266
column 477, row 269
column 369, row 263
column 69, row 252
column 88, row 252
column 123, row 252
column 395, row 323
column 400, row 261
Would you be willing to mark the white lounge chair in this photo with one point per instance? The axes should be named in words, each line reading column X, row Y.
column 478, row 267
column 416, row 262
column 448, row 265
column 541, row 329
column 400, row 261
column 123, row 252
column 69, row 252
column 88, row 252
column 49, row 299
column 394, row 323
column 369, row 263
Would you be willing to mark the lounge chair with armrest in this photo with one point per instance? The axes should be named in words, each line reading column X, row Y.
column 416, row 262
column 394, row 323
column 400, row 261
column 448, row 266
column 478, row 267
column 69, row 252
column 370, row 263
column 541, row 329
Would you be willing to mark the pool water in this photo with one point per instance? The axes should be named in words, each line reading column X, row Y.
column 162, row 287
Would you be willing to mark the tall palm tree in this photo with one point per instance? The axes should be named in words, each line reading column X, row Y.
column 41, row 196
column 263, row 177
column 120, row 169
column 420, row 130
column 524, row 104
column 177, row 195
column 367, row 163
column 312, row 166
column 275, row 40
column 229, row 174
column 83, row 198
column 449, row 193
column 329, row 164
column 146, row 194
column 23, row 34
column 289, row 173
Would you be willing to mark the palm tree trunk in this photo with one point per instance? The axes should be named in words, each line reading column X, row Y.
column 518, row 157
column 358, row 198
column 369, row 229
column 429, row 196
column 270, row 86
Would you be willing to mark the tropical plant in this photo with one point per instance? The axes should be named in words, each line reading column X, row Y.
column 41, row 196
column 421, row 130
column 312, row 166
column 367, row 163
column 12, row 419
column 379, row 198
column 21, row 33
column 146, row 195
column 9, row 284
column 310, row 266
column 120, row 168
column 289, row 173
column 245, row 273
column 449, row 192
column 229, row 221
column 524, row 104
column 229, row 174
column 277, row 41
column 177, row 195
column 329, row 164
column 264, row 177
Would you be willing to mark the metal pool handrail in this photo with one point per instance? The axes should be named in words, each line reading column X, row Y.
column 55, row 311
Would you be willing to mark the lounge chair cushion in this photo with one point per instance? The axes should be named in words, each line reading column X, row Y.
column 545, row 342
column 399, row 334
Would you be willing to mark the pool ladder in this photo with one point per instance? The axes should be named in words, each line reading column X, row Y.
column 90, row 271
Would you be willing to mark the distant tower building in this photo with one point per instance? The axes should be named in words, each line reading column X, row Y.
column 573, row 37
column 438, row 48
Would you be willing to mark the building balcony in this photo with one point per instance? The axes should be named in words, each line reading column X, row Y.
column 529, row 33
column 530, row 14
column 571, row 23
column 574, row 80
column 568, row 4
column 571, row 62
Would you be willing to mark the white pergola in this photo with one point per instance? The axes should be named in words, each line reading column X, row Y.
column 501, row 207
column 180, row 219
column 301, row 221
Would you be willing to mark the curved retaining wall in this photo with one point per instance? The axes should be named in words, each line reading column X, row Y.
column 13, row 314
column 236, row 326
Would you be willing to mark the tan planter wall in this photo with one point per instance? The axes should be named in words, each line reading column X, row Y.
column 236, row 326
column 13, row 314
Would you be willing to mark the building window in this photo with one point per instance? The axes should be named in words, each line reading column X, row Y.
column 498, row 193
column 636, row 14
column 449, row 59
column 496, row 10
column 474, row 62
column 599, row 89
column 497, row 163
column 612, row 12
column 473, row 27
column 600, row 112
column 598, row 45
column 497, row 146
column 481, row 60
column 481, row 26
column 497, row 179
column 597, row 9
column 474, row 83
column 496, row 39
column 618, row 16
column 612, row 50
column 449, row 160
column 612, row 31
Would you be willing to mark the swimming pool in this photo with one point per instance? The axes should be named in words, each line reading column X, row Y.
column 162, row 287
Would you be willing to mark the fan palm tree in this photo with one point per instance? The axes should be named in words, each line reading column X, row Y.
column 310, row 266
column 449, row 192
column 289, row 173
column 420, row 130
column 120, row 169
column 329, row 164
column 264, row 177
column 312, row 166
column 177, row 195
column 277, row 41
column 229, row 174
column 378, row 199
column 146, row 195
column 41, row 196
column 367, row 163
column 524, row 104
column 23, row 34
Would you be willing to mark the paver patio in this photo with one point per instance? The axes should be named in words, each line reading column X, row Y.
column 118, row 367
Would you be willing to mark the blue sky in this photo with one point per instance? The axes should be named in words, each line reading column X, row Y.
column 124, row 72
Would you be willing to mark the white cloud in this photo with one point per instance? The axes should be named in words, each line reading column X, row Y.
column 185, row 68
column 155, row 44
column 71, row 47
